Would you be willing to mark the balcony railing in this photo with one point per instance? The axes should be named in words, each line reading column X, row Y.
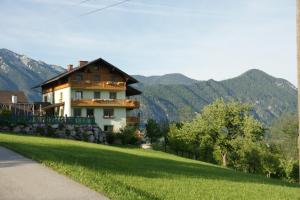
column 126, row 103
column 103, row 85
column 130, row 120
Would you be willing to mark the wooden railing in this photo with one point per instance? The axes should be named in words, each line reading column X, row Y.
column 103, row 85
column 126, row 103
column 130, row 120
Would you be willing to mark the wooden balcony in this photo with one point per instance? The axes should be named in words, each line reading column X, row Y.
column 121, row 103
column 130, row 120
column 98, row 85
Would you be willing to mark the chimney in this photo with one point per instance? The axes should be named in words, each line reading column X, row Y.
column 69, row 67
column 82, row 62
column 14, row 99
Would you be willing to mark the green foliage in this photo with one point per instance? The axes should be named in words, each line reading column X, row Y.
column 129, row 135
column 226, row 133
column 122, row 173
column 153, row 131
column 284, row 133
column 290, row 170
column 110, row 137
column 5, row 112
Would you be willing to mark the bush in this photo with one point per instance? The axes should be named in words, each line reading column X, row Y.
column 129, row 135
column 110, row 137
column 290, row 170
column 5, row 112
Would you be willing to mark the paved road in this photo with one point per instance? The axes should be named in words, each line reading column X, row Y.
column 24, row 179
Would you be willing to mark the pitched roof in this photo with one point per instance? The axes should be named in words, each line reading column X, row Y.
column 6, row 96
column 131, row 91
column 131, row 80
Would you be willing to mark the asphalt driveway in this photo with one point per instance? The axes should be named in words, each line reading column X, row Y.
column 25, row 179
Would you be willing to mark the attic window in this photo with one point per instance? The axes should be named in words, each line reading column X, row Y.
column 113, row 77
column 96, row 77
column 79, row 77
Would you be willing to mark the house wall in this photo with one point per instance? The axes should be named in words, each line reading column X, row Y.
column 118, row 122
column 66, row 98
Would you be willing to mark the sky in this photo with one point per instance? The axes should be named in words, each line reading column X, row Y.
column 202, row 39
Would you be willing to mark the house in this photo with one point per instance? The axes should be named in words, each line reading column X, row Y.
column 93, row 89
column 16, row 102
column 9, row 97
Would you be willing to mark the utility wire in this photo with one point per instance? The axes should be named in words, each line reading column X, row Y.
column 83, row 1
column 104, row 8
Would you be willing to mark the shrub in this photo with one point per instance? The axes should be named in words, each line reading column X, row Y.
column 110, row 137
column 129, row 135
column 5, row 112
column 50, row 131
column 290, row 170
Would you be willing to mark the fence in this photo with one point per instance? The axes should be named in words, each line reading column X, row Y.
column 12, row 119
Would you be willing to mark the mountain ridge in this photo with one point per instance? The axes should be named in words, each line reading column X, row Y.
column 19, row 72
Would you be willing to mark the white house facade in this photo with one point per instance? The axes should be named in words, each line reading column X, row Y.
column 93, row 89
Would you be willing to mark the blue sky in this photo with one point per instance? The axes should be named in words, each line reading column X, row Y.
column 202, row 39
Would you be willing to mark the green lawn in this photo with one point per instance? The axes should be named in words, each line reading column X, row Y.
column 129, row 173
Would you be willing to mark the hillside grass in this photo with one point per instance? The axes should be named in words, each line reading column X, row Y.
column 131, row 173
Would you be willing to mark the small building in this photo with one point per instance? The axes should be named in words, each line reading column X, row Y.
column 10, row 97
column 16, row 102
column 93, row 89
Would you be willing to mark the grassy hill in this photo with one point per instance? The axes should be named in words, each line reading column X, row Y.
column 131, row 173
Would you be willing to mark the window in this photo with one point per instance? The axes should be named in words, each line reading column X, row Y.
column 97, row 95
column 78, row 95
column 77, row 112
column 45, row 98
column 90, row 112
column 108, row 128
column 60, row 97
column 79, row 77
column 97, row 68
column 96, row 77
column 113, row 95
column 108, row 113
column 113, row 77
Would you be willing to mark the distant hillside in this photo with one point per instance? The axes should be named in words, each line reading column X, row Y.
column 270, row 96
column 18, row 72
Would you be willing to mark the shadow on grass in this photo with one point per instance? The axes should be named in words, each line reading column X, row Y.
column 123, row 163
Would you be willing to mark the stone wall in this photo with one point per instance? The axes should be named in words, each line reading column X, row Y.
column 89, row 133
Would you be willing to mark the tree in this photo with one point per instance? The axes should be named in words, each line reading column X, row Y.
column 153, row 131
column 224, row 122
column 284, row 132
column 165, row 128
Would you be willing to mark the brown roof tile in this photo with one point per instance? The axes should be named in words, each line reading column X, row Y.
column 5, row 96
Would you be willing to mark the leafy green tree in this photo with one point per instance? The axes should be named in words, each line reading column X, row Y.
column 165, row 128
column 153, row 131
column 128, row 135
column 284, row 133
column 224, row 122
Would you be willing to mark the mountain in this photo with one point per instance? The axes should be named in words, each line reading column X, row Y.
column 18, row 72
column 172, row 96
column 168, row 79
column 270, row 96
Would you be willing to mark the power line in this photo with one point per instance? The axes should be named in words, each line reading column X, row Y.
column 104, row 8
column 83, row 1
